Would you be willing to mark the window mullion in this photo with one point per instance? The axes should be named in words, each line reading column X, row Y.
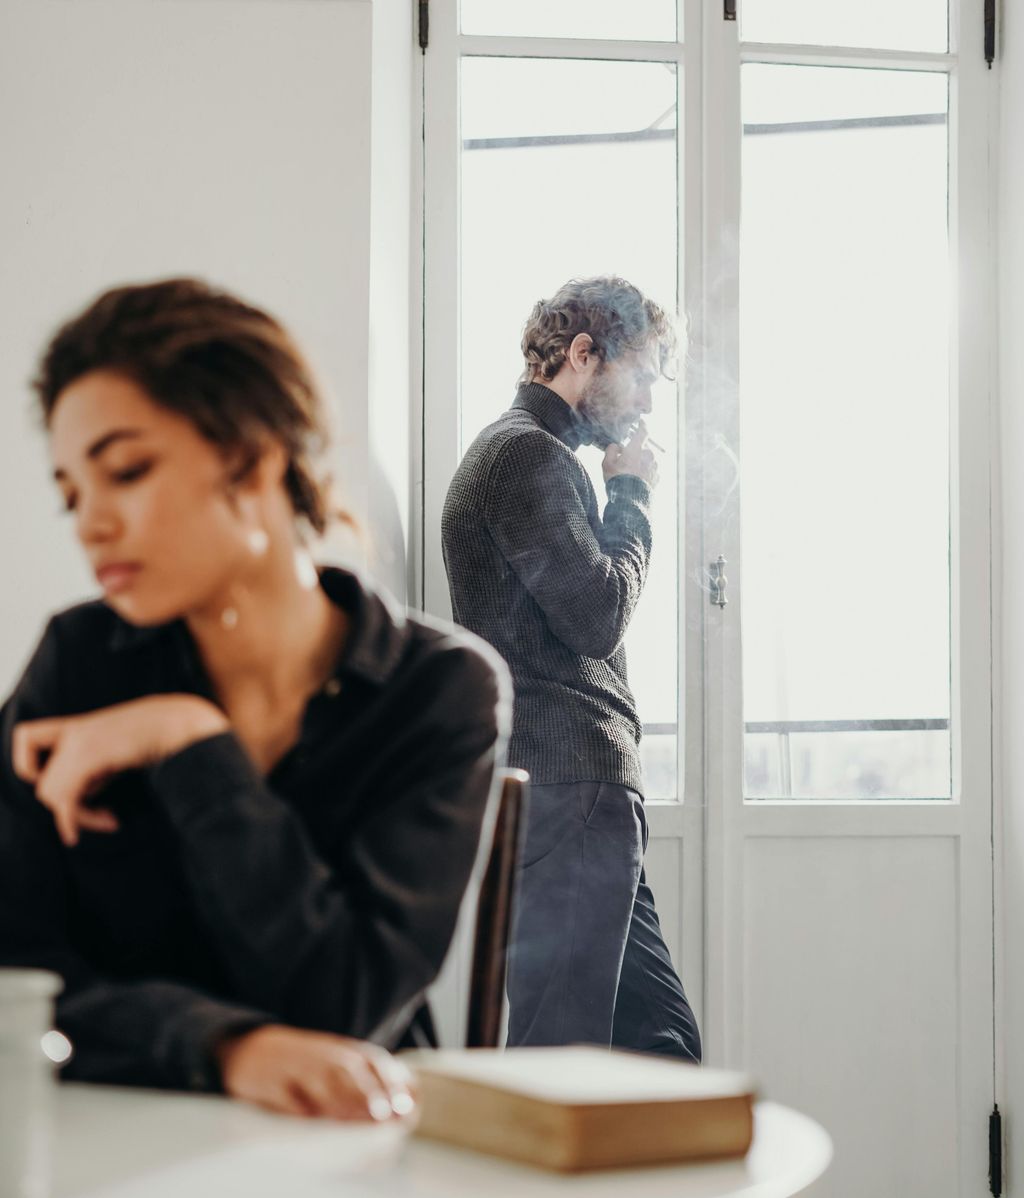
column 713, row 400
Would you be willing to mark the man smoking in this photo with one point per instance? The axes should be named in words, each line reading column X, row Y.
column 552, row 583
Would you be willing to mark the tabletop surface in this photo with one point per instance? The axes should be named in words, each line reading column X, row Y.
column 127, row 1143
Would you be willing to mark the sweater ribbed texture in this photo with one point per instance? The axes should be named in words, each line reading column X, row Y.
column 535, row 569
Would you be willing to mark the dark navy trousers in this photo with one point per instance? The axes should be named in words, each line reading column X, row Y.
column 588, row 962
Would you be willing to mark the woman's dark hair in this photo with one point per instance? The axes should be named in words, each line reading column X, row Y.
column 227, row 366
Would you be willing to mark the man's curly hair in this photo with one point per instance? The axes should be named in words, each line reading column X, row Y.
column 617, row 316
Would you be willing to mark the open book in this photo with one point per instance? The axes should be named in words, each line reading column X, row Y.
column 582, row 1108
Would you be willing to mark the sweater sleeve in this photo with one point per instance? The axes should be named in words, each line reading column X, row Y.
column 346, row 942
column 586, row 582
column 145, row 1031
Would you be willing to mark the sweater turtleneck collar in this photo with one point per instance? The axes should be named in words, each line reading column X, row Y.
column 556, row 415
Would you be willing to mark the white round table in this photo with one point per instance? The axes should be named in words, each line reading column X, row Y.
column 127, row 1143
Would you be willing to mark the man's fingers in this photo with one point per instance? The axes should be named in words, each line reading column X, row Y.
column 639, row 438
column 32, row 740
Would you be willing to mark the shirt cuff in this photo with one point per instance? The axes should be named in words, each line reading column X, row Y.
column 631, row 489
column 204, row 772
column 192, row 1037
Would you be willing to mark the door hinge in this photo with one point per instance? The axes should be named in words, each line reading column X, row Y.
column 424, row 24
column 729, row 10
column 990, row 32
column 995, row 1152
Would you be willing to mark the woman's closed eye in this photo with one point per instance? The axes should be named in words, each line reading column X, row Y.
column 123, row 477
column 130, row 474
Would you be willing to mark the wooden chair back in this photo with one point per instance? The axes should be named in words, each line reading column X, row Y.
column 494, row 914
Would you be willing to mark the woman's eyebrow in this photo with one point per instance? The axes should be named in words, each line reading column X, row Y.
column 101, row 444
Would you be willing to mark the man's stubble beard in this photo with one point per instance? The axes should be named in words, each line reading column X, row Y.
column 599, row 408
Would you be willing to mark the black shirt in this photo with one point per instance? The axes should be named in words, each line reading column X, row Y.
column 552, row 584
column 322, row 896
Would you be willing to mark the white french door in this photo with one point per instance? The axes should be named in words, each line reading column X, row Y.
column 809, row 183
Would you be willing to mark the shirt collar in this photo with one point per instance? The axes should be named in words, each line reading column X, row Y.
column 129, row 636
column 553, row 412
column 373, row 648
column 377, row 632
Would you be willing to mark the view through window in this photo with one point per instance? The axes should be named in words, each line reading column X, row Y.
column 569, row 169
column 844, row 365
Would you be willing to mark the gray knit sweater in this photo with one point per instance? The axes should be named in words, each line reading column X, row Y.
column 534, row 569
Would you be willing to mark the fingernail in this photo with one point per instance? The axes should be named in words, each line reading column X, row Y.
column 403, row 1104
column 380, row 1108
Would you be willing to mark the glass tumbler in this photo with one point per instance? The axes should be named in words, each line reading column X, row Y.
column 29, row 1049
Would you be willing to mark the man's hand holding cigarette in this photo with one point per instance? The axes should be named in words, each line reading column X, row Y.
column 634, row 457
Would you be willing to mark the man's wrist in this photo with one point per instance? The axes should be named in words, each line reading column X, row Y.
column 629, row 487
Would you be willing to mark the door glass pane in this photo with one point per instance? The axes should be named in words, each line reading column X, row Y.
column 641, row 20
column 878, row 24
column 554, row 191
column 844, row 380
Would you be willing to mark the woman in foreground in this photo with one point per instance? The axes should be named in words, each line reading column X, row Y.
column 240, row 798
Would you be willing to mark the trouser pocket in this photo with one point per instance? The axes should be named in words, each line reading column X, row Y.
column 589, row 795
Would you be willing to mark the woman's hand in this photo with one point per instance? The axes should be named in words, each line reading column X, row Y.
column 314, row 1073
column 69, row 758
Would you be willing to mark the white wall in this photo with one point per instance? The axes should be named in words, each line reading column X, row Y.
column 1010, row 650
column 394, row 311
column 141, row 138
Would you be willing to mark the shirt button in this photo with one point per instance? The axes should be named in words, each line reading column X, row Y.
column 332, row 688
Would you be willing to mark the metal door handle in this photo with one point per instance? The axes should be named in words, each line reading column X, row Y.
column 718, row 582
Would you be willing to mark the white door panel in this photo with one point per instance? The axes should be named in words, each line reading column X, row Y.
column 850, row 1012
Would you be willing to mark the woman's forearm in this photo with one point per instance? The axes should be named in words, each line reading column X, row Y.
column 347, row 945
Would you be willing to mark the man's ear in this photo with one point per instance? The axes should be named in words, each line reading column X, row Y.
column 580, row 352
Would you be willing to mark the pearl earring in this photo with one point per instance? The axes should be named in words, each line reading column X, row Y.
column 305, row 570
column 229, row 618
column 258, row 541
